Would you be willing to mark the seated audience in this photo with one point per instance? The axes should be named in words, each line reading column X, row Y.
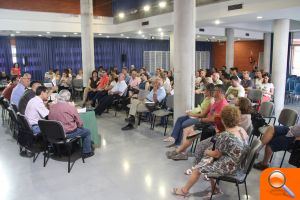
column 127, row 77
column 134, row 83
column 234, row 72
column 216, row 78
column 65, row 81
column 80, row 74
column 277, row 138
column 56, row 77
column 246, row 82
column 36, row 109
column 28, row 95
column 192, row 117
column 115, row 93
column 244, row 104
column 48, row 76
column 258, row 79
column 91, row 90
column 4, row 78
column 209, row 120
column 171, row 77
column 226, row 81
column 267, row 87
column 19, row 90
column 9, row 88
column 156, row 95
column 66, row 113
column 235, row 90
column 166, row 83
column 223, row 157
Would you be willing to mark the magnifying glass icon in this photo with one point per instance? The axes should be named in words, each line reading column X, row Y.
column 277, row 180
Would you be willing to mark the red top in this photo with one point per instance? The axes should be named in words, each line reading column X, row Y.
column 8, row 90
column 217, row 107
column 103, row 82
column 66, row 114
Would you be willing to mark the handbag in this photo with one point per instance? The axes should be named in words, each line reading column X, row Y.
column 295, row 155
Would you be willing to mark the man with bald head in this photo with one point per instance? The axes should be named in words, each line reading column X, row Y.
column 29, row 94
column 19, row 90
column 116, row 92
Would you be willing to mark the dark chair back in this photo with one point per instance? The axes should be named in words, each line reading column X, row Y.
column 23, row 123
column 170, row 102
column 52, row 131
column 255, row 95
column 266, row 109
column 288, row 117
column 15, row 108
column 77, row 83
column 252, row 154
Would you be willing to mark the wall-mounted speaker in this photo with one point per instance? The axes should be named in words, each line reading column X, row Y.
column 25, row 61
column 123, row 58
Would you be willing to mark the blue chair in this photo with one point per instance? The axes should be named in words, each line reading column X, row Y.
column 296, row 92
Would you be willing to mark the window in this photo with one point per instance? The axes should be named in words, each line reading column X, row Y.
column 14, row 53
column 295, row 54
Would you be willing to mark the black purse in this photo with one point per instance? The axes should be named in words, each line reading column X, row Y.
column 295, row 155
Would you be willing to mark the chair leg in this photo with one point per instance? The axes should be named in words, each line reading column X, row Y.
column 166, row 125
column 69, row 162
column 282, row 159
column 213, row 190
column 139, row 120
column 238, row 188
column 246, row 188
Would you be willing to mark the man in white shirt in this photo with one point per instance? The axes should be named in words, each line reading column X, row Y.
column 36, row 109
column 116, row 92
column 235, row 90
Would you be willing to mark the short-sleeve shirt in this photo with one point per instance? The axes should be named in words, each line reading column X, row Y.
column 120, row 87
column 217, row 107
column 35, row 110
column 238, row 91
column 247, row 83
column 17, row 93
column 161, row 94
column 266, row 87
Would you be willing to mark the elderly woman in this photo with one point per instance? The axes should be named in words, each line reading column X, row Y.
column 222, row 157
column 66, row 113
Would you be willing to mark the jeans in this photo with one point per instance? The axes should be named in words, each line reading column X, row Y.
column 181, row 123
column 36, row 129
column 85, row 135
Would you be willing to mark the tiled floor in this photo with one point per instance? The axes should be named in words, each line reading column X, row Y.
column 129, row 165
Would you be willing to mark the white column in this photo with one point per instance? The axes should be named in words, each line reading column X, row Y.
column 87, row 39
column 267, row 52
column 171, row 51
column 229, row 47
column 280, row 50
column 184, row 56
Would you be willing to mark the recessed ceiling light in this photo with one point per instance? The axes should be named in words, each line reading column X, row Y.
column 12, row 35
column 108, row 36
column 48, row 32
column 159, row 29
column 122, row 34
column 162, row 4
column 198, row 36
column 146, row 8
column 259, row 17
column 40, row 35
column 239, row 38
column 121, row 15
column 140, row 32
column 161, row 34
column 75, row 33
column 143, row 36
column 127, row 37
column 18, row 32
column 99, row 33
column 213, row 37
column 217, row 22
column 64, row 35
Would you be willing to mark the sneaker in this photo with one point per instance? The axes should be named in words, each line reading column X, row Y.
column 260, row 166
column 180, row 156
column 128, row 127
column 170, row 154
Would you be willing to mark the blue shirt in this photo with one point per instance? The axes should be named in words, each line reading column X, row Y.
column 17, row 93
column 161, row 94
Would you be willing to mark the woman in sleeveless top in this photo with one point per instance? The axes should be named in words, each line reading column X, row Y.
column 91, row 90
column 223, row 157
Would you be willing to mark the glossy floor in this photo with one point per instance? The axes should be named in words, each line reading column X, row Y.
column 129, row 165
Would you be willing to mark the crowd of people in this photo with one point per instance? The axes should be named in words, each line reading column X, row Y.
column 222, row 119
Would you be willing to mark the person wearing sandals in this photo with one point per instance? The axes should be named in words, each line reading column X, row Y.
column 192, row 117
column 208, row 122
column 225, row 159
column 277, row 138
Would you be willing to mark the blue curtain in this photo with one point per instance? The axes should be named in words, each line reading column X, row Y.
column 5, row 54
column 62, row 53
column 205, row 46
column 108, row 52
column 39, row 55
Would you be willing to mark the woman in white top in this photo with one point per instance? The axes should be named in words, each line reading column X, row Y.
column 258, row 79
column 267, row 87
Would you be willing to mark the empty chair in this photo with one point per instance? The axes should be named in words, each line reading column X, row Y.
column 77, row 87
column 296, row 93
column 266, row 110
column 255, row 96
column 53, row 133
column 247, row 164
column 13, row 122
column 164, row 112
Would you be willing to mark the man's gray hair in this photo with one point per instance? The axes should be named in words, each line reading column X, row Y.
column 64, row 95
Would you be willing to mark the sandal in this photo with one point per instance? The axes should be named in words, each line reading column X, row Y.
column 169, row 139
column 170, row 154
column 179, row 192
column 180, row 156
